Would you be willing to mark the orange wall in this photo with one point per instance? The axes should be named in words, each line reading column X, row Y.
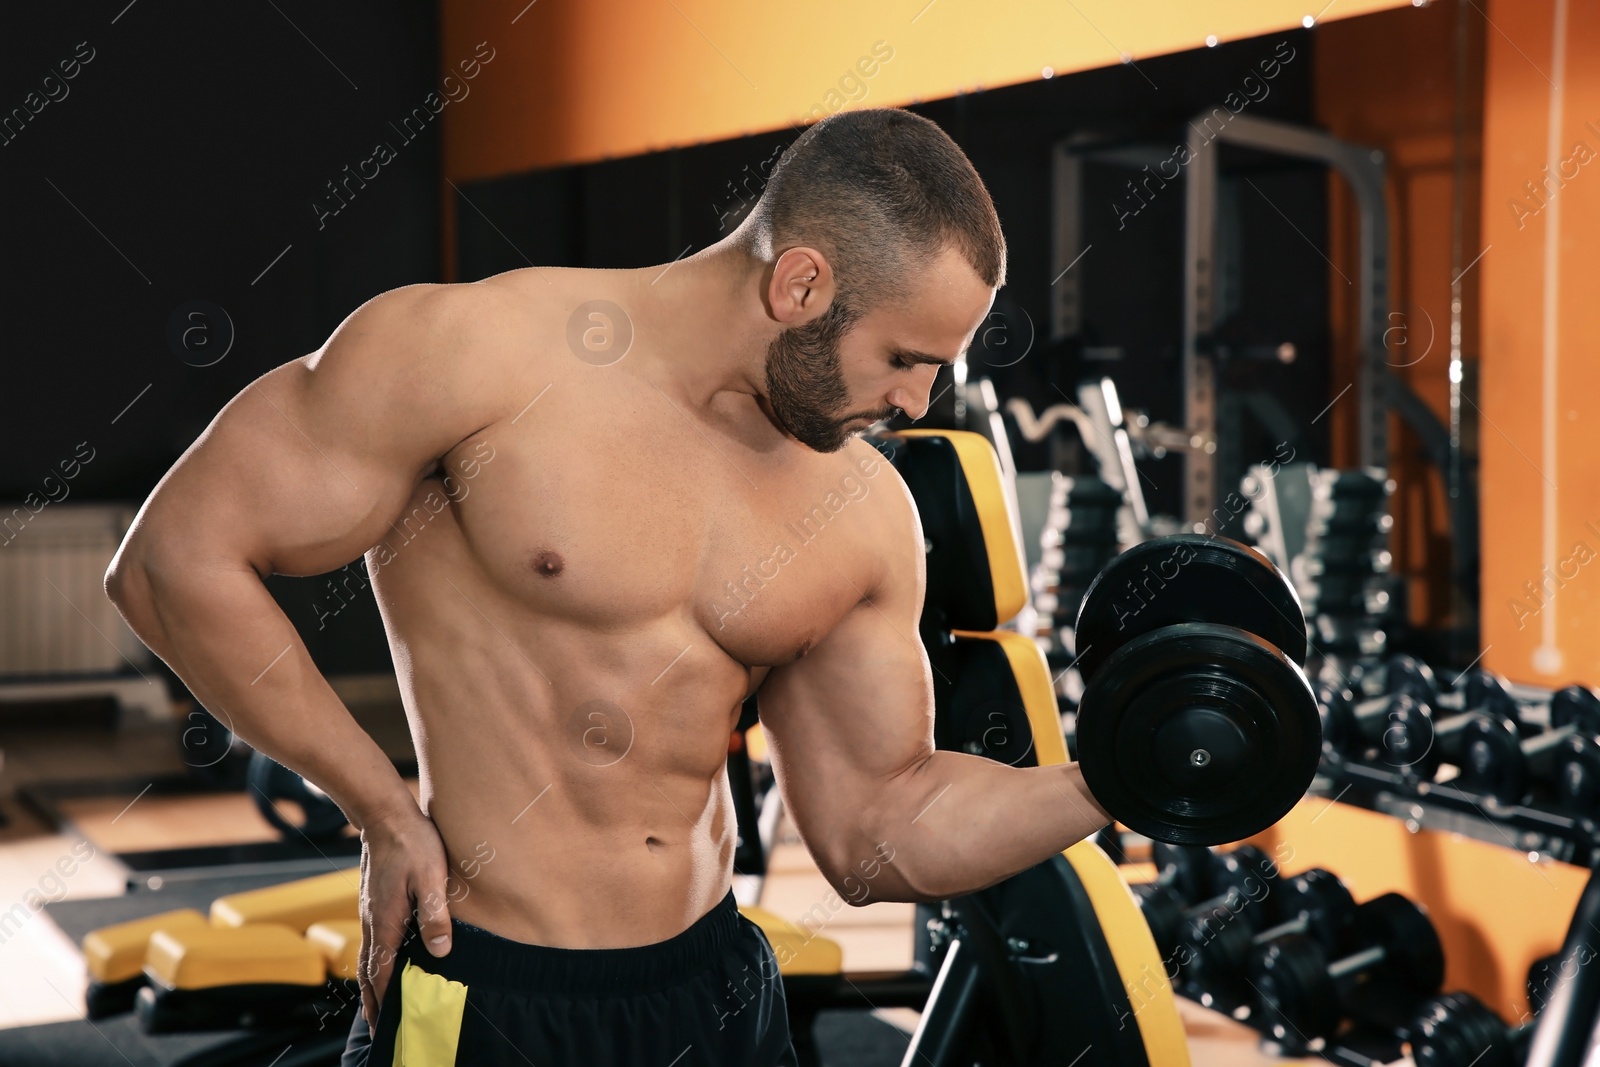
column 1541, row 318
column 1388, row 80
column 575, row 82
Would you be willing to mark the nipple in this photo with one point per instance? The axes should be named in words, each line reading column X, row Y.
column 547, row 564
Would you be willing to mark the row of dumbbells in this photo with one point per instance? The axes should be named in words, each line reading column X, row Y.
column 1297, row 958
column 1079, row 538
column 1344, row 573
column 1478, row 728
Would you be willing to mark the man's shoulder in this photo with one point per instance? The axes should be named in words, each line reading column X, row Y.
column 893, row 513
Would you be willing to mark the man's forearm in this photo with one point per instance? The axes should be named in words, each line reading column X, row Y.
column 957, row 823
column 224, row 635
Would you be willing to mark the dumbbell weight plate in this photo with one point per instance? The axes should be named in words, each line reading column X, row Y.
column 1492, row 761
column 270, row 781
column 1187, row 578
column 1198, row 734
column 1187, row 869
column 1298, row 1000
column 1577, row 775
column 1578, row 706
column 1249, row 874
column 1456, row 1029
column 1319, row 897
column 1163, row 913
column 1413, row 957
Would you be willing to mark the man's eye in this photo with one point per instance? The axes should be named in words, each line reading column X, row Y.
column 899, row 364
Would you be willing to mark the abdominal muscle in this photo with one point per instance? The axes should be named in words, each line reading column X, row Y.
column 581, row 804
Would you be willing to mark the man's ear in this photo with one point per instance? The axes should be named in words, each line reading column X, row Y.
column 801, row 287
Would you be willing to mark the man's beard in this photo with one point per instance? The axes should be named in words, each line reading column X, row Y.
column 805, row 381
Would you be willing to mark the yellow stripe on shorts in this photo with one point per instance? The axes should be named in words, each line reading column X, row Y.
column 430, row 1019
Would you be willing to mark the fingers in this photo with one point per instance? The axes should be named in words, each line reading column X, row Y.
column 380, row 946
column 433, row 915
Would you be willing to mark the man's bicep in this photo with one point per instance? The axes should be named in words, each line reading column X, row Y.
column 843, row 723
column 856, row 712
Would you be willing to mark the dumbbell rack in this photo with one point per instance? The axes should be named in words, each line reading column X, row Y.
column 1440, row 806
column 1569, row 838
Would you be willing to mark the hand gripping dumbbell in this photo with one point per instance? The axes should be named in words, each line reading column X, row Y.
column 1458, row 1029
column 1303, row 995
column 1216, row 953
column 1241, row 881
column 1197, row 724
column 1497, row 761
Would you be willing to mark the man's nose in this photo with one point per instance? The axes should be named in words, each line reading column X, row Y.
column 914, row 400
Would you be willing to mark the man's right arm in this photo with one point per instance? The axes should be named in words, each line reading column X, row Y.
column 300, row 474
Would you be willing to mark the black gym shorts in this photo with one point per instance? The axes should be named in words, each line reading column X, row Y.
column 709, row 996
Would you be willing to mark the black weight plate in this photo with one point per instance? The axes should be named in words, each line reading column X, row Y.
column 1492, row 761
column 1198, row 734
column 1545, row 972
column 1163, row 913
column 1337, row 707
column 1458, row 1029
column 1320, row 899
column 1409, row 675
column 1577, row 775
column 1404, row 738
column 1485, row 691
column 1413, row 956
column 1576, row 705
column 1249, row 874
column 1298, row 1001
column 1187, row 578
column 270, row 781
column 1344, row 484
column 1091, row 490
column 1332, row 547
column 1186, row 869
column 1219, row 943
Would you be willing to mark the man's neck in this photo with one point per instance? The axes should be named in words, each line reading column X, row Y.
column 703, row 322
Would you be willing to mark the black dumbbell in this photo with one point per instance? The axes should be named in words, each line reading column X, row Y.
column 1186, row 869
column 1396, row 726
column 1458, row 1029
column 1216, row 952
column 1304, row 995
column 1242, row 878
column 1197, row 724
column 1496, row 760
column 1484, row 695
column 1413, row 734
column 1542, row 976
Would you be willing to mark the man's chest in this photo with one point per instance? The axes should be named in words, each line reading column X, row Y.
column 615, row 531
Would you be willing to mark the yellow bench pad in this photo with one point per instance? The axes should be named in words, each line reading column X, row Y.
column 339, row 941
column 210, row 956
column 294, row 904
column 116, row 953
column 798, row 951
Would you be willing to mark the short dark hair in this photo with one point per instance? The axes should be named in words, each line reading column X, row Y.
column 880, row 190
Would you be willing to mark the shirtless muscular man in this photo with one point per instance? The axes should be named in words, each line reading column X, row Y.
column 557, row 614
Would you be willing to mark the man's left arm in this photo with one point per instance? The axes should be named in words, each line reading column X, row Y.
column 850, row 729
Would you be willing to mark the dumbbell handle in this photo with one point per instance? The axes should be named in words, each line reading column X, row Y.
column 1298, row 925
column 1357, row 961
column 1539, row 751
